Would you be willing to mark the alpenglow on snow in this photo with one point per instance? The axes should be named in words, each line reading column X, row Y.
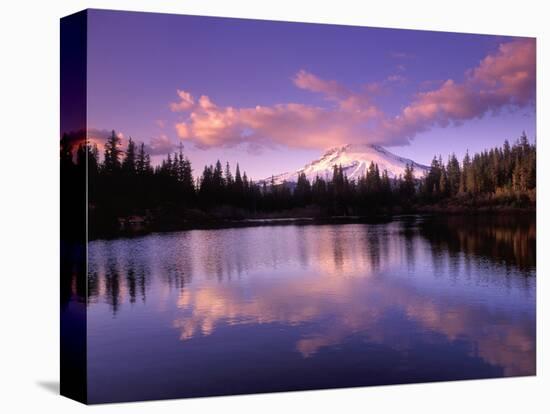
column 355, row 160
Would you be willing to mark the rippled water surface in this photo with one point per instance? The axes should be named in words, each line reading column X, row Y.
column 274, row 308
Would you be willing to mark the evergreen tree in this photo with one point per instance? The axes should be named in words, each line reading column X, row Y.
column 302, row 192
column 453, row 175
column 238, row 181
column 93, row 160
column 246, row 184
column 143, row 164
column 217, row 179
column 408, row 187
column 433, row 179
column 228, row 176
column 517, row 177
column 111, row 162
column 129, row 162
column 187, row 178
column 497, row 176
column 443, row 185
column 464, row 181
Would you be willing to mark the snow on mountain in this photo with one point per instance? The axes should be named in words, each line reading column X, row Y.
column 355, row 161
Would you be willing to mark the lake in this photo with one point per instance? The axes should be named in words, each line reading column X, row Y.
column 296, row 307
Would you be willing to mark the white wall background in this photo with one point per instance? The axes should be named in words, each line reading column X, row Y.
column 29, row 299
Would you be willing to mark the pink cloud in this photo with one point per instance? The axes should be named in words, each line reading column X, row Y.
column 186, row 102
column 206, row 104
column 182, row 130
column 505, row 78
column 293, row 125
column 511, row 72
column 335, row 92
column 89, row 136
column 160, row 145
column 100, row 136
column 310, row 82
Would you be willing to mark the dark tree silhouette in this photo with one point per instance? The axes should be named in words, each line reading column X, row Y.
column 111, row 162
column 125, row 189
column 129, row 162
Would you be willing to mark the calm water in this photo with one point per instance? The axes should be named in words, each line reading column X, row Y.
column 275, row 308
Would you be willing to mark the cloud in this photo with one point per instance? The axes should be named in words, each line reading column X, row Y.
column 160, row 145
column 310, row 82
column 335, row 92
column 182, row 129
column 100, row 136
column 92, row 136
column 74, row 138
column 206, row 104
column 293, row 125
column 505, row 78
column 186, row 102
column 510, row 73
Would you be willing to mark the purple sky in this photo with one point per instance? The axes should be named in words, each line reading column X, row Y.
column 273, row 96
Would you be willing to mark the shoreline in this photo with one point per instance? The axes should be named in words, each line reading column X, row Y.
column 217, row 223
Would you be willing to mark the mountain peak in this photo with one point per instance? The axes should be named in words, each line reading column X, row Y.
column 355, row 160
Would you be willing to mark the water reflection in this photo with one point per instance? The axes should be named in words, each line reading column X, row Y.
column 465, row 291
column 508, row 239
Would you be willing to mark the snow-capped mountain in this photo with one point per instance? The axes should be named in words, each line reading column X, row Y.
column 355, row 160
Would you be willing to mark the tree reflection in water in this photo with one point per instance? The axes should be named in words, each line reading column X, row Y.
column 462, row 287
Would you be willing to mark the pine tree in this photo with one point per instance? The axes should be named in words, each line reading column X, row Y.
column 373, row 179
column 465, row 182
column 129, row 162
column 93, row 160
column 385, row 187
column 111, row 162
column 434, row 177
column 517, row 177
column 141, row 162
column 238, row 181
column 499, row 175
column 206, row 187
column 187, row 178
column 81, row 154
column 443, row 186
column 228, row 176
column 169, row 166
column 453, row 175
column 272, row 184
column 246, row 184
column 408, row 188
column 217, row 179
column 319, row 191
column 147, row 166
column 302, row 192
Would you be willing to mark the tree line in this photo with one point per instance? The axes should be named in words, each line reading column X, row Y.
column 124, row 182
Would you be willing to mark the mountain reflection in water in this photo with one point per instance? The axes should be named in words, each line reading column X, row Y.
column 299, row 307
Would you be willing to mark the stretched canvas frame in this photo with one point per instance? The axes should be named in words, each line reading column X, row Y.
column 312, row 279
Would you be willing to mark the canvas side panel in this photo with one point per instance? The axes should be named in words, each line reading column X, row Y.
column 73, row 383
